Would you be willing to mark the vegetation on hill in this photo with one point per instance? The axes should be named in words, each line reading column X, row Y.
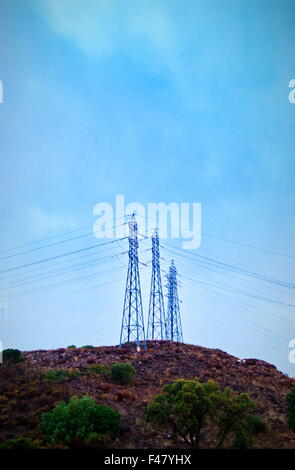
column 122, row 373
column 186, row 407
column 291, row 408
column 80, row 418
column 12, row 355
column 36, row 386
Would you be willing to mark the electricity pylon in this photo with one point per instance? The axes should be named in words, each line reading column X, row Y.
column 156, row 320
column 132, row 321
column 173, row 320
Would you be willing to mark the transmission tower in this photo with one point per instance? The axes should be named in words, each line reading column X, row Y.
column 156, row 320
column 132, row 321
column 174, row 329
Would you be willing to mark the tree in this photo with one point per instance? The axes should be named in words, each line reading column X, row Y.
column 184, row 407
column 254, row 424
column 79, row 419
column 232, row 414
column 122, row 373
column 12, row 355
column 245, row 429
column 291, row 408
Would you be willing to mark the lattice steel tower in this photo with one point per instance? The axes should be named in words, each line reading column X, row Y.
column 132, row 321
column 156, row 320
column 173, row 320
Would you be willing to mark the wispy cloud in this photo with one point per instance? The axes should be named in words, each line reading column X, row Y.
column 150, row 32
column 41, row 221
column 100, row 27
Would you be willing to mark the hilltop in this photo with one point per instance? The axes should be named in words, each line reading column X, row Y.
column 25, row 394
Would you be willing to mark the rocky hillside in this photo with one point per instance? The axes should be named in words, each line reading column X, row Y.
column 25, row 394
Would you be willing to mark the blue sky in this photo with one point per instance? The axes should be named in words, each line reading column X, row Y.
column 159, row 101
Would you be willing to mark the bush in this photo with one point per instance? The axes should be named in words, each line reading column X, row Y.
column 243, row 439
column 122, row 373
column 72, row 346
column 88, row 346
column 78, row 419
column 183, row 408
column 19, row 443
column 59, row 375
column 12, row 355
column 254, row 425
column 98, row 369
column 232, row 412
column 291, row 408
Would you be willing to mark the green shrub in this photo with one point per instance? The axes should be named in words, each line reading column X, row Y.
column 59, row 375
column 12, row 355
column 291, row 408
column 98, row 369
column 72, row 346
column 78, row 419
column 122, row 373
column 243, row 439
column 231, row 414
column 20, row 443
column 254, row 425
column 88, row 346
column 183, row 408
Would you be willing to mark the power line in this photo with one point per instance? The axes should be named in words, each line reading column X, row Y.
column 246, row 245
column 59, row 235
column 269, row 299
column 69, row 282
column 59, row 256
column 221, row 265
column 68, row 293
column 55, row 273
column 237, row 291
column 57, row 243
column 17, row 276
